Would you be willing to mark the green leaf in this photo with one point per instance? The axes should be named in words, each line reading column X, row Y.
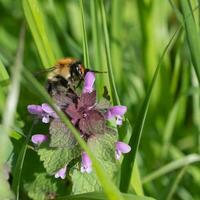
column 84, row 182
column 129, row 159
column 42, row 188
column 192, row 35
column 101, row 196
column 55, row 159
column 36, row 23
column 3, row 72
column 61, row 136
column 103, row 147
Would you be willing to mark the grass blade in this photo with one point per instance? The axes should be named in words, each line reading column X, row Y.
column 3, row 73
column 116, row 42
column 168, row 129
column 101, row 196
column 85, row 44
column 11, row 104
column 190, row 159
column 176, row 183
column 36, row 23
column 128, row 162
column 115, row 96
column 19, row 165
column 136, row 180
column 192, row 35
column 96, row 40
column 12, row 99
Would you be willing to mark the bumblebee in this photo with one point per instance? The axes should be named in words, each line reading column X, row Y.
column 66, row 74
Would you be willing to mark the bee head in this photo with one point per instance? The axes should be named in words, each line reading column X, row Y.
column 77, row 70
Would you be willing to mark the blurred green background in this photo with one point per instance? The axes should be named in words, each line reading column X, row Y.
column 139, row 31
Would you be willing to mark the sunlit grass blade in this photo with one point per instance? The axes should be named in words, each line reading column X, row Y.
column 187, row 160
column 96, row 41
column 3, row 73
column 19, row 165
column 12, row 100
column 136, row 182
column 115, row 96
column 109, row 187
column 36, row 23
column 6, row 145
column 193, row 170
column 116, row 39
column 184, row 194
column 169, row 127
column 196, row 108
column 85, row 44
column 3, row 77
column 73, row 47
column 192, row 35
column 134, row 142
column 101, row 196
column 176, row 183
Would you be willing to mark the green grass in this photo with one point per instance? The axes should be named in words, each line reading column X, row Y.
column 151, row 67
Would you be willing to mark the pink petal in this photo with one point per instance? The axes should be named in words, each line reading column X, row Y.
column 119, row 120
column 45, row 119
column 88, row 82
column 61, row 172
column 123, row 147
column 47, row 109
column 35, row 109
column 39, row 138
column 86, row 164
column 118, row 154
column 115, row 111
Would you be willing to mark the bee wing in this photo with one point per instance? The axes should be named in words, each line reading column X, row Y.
column 44, row 71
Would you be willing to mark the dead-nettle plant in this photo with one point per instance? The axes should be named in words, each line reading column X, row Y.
column 96, row 123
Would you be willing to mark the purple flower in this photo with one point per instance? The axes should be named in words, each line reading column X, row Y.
column 88, row 82
column 121, row 147
column 86, row 163
column 44, row 111
column 85, row 116
column 61, row 172
column 39, row 138
column 116, row 111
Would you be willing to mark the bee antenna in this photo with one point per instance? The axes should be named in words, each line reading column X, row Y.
column 97, row 72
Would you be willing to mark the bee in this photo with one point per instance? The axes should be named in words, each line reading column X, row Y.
column 66, row 74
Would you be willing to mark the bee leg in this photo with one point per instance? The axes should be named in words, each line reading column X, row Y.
column 49, row 87
column 79, row 83
column 52, row 87
column 72, row 95
column 63, row 82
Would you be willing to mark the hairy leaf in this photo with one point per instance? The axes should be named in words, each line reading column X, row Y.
column 55, row 159
column 103, row 147
column 43, row 187
column 61, row 136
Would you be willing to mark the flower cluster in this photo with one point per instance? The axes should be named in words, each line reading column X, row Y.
column 85, row 115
